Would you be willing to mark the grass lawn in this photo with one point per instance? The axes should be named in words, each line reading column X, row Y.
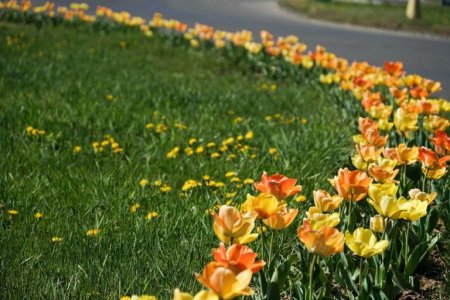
column 78, row 86
column 435, row 17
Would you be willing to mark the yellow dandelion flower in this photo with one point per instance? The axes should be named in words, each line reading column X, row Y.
column 38, row 215
column 273, row 151
column 134, row 208
column 235, row 179
column 248, row 181
column 304, row 121
column 206, row 177
column 109, row 97
column 211, row 145
column 230, row 174
column 188, row 151
column 165, row 188
column 230, row 195
column 151, row 215
column 77, row 149
column 199, row 149
column 192, row 141
column 231, row 157
column 144, row 182
column 93, row 232
column 215, row 155
column 12, row 212
column 300, row 198
column 56, row 239
column 157, row 183
column 173, row 153
column 149, row 125
column 249, row 135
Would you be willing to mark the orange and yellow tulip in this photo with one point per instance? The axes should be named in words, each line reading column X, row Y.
column 326, row 241
column 441, row 142
column 224, row 282
column 325, row 202
column 237, row 258
column 232, row 226
column 202, row 295
column 351, row 185
column 278, row 185
column 402, row 154
column 282, row 219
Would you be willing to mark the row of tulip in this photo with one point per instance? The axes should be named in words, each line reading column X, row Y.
column 385, row 211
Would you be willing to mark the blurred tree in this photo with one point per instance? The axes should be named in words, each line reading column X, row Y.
column 413, row 9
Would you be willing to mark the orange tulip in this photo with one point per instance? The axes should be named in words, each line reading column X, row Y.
column 383, row 171
column 224, row 282
column 278, row 185
column 433, row 166
column 232, row 226
column 326, row 241
column 325, row 202
column 441, row 142
column 394, row 68
column 282, row 219
column 265, row 205
column 351, row 185
column 237, row 258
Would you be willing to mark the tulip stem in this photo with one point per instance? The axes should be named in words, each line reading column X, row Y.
column 361, row 269
column 424, row 182
column 270, row 249
column 311, row 271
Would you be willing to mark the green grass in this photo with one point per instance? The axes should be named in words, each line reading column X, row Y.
column 56, row 79
column 435, row 17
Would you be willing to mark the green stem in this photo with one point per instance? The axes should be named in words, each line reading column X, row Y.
column 349, row 217
column 424, row 183
column 361, row 268
column 270, row 249
column 311, row 271
column 263, row 250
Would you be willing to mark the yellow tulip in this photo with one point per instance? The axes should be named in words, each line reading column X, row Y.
column 378, row 223
column 414, row 210
column 388, row 206
column 202, row 295
column 405, row 121
column 402, row 154
column 265, row 205
column 318, row 220
column 433, row 123
column 364, row 243
column 416, row 194
column 232, row 226
column 377, row 190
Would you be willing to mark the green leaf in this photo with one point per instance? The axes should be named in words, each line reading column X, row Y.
column 401, row 280
column 418, row 254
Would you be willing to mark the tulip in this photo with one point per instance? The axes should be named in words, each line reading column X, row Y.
column 326, row 241
column 441, row 142
column 378, row 223
column 433, row 166
column 232, row 226
column 237, row 258
column 402, row 154
column 225, row 283
column 351, row 185
column 414, row 210
column 433, row 123
column 278, row 185
column 318, row 220
column 383, row 171
column 265, row 205
column 388, row 206
column 364, row 243
column 282, row 219
column 202, row 295
column 416, row 194
column 377, row 190
column 405, row 121
column 325, row 202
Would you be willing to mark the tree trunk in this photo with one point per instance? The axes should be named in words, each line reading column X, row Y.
column 413, row 9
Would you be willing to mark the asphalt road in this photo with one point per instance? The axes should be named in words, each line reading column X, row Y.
column 425, row 55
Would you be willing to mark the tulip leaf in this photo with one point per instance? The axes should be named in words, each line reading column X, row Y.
column 278, row 279
column 401, row 280
column 431, row 220
column 418, row 254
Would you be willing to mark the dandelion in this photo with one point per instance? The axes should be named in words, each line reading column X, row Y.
column 149, row 125
column 248, row 181
column 93, row 232
column 144, row 182
column 134, row 208
column 190, row 184
column 188, row 151
column 273, row 151
column 192, row 141
column 151, row 215
column 215, row 155
column 303, row 121
column 300, row 198
column 77, row 149
column 157, row 183
column 12, row 212
column 56, row 239
column 199, row 149
column 109, row 97
column 210, row 145
column 235, row 179
column 165, row 188
column 38, row 215
column 230, row 174
column 249, row 135
column 173, row 153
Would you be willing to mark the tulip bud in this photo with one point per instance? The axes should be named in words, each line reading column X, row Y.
column 378, row 224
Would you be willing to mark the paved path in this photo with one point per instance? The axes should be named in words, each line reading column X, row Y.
column 425, row 55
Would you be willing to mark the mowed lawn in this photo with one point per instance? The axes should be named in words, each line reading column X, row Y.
column 79, row 85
